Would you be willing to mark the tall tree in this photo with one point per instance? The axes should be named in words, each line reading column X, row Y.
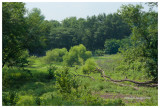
column 35, row 32
column 13, row 32
column 144, row 27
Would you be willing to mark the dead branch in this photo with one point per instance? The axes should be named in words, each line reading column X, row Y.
column 136, row 82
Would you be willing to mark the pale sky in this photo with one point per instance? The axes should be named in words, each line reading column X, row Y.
column 61, row 10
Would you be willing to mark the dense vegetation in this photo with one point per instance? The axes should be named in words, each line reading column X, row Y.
column 101, row 60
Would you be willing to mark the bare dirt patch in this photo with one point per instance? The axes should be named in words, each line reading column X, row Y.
column 125, row 98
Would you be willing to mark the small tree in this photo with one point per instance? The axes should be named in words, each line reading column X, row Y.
column 76, row 55
column 65, row 81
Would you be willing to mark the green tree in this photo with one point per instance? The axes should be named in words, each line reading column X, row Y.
column 144, row 27
column 61, row 37
column 13, row 32
column 111, row 46
column 35, row 32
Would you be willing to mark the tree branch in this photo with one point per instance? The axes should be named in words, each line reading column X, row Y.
column 136, row 82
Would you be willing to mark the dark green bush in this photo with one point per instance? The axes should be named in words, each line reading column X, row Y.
column 111, row 46
column 9, row 98
column 99, row 52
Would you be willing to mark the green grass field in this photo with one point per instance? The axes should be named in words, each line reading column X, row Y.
column 36, row 88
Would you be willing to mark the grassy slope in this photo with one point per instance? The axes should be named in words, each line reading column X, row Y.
column 40, row 87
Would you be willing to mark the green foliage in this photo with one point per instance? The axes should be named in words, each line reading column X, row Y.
column 89, row 66
column 14, row 77
column 54, row 55
column 66, row 82
column 9, row 99
column 77, row 55
column 61, row 37
column 14, row 31
column 111, row 46
column 99, row 52
column 45, row 84
column 26, row 101
column 21, row 61
column 38, row 90
column 144, row 27
column 117, row 102
column 51, row 72
column 35, row 41
column 125, row 44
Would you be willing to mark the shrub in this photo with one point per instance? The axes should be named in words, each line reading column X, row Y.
column 10, row 98
column 111, row 46
column 55, row 55
column 99, row 52
column 89, row 66
column 76, row 55
column 26, row 101
column 65, row 81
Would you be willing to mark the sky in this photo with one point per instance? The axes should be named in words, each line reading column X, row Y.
column 61, row 10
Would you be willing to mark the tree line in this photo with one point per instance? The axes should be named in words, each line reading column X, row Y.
column 40, row 35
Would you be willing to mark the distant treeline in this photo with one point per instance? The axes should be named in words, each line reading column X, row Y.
column 41, row 35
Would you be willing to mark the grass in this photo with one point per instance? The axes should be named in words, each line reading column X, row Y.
column 38, row 89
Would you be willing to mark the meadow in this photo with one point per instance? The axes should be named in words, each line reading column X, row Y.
column 38, row 86
column 101, row 60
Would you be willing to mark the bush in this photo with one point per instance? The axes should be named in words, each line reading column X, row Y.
column 111, row 46
column 26, row 101
column 99, row 52
column 65, row 81
column 55, row 55
column 90, row 66
column 77, row 55
column 9, row 98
